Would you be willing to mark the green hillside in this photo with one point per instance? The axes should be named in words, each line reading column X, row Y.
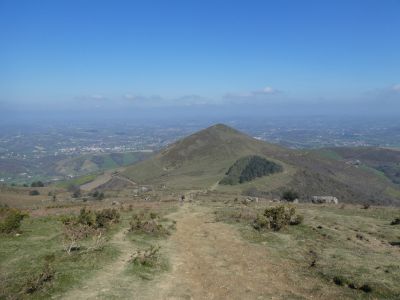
column 201, row 161
column 93, row 163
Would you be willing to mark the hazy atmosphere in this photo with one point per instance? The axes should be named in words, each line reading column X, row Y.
column 200, row 150
column 137, row 58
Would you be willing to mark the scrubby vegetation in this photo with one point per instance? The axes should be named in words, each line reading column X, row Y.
column 276, row 218
column 248, row 168
column 10, row 219
column 39, row 282
column 95, row 219
column 98, row 195
column 290, row 195
column 147, row 257
column 396, row 221
column 34, row 193
column 86, row 224
column 147, row 223
column 37, row 184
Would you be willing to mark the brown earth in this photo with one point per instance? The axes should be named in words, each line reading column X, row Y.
column 209, row 260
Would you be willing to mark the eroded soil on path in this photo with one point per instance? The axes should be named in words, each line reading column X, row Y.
column 209, row 260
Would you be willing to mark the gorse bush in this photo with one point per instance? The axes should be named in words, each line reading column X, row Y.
column 277, row 217
column 96, row 219
column 106, row 217
column 87, row 223
column 148, row 257
column 10, row 219
column 147, row 223
column 290, row 195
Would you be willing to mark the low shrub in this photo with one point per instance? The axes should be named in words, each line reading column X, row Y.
column 339, row 280
column 37, row 184
column 10, row 219
column 106, row 217
column 395, row 222
column 148, row 257
column 277, row 217
column 39, row 281
column 95, row 219
column 366, row 288
column 290, row 195
column 73, row 233
column 296, row 220
column 147, row 223
column 34, row 193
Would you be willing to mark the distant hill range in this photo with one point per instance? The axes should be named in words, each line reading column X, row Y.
column 202, row 160
column 50, row 167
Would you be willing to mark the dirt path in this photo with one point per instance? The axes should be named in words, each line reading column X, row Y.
column 209, row 260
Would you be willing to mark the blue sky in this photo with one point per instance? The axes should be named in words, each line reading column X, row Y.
column 126, row 54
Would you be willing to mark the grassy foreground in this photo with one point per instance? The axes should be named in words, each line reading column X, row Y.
column 351, row 247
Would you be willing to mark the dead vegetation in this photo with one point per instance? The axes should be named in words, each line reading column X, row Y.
column 146, row 257
column 40, row 281
column 149, row 223
column 88, row 224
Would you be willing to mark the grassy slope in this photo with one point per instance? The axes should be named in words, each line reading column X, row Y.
column 23, row 257
column 93, row 163
column 201, row 160
column 334, row 246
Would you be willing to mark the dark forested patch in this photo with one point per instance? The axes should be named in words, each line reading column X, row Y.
column 248, row 168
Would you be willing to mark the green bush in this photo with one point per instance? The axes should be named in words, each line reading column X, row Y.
column 10, row 219
column 290, row 195
column 37, row 184
column 34, row 193
column 98, row 219
column 86, row 217
column 395, row 221
column 277, row 217
column 106, row 217
column 147, row 223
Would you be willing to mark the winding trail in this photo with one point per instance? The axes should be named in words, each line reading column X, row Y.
column 209, row 260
